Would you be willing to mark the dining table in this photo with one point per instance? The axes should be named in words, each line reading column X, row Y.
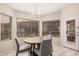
column 34, row 41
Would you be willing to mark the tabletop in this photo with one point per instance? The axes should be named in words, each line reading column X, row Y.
column 33, row 40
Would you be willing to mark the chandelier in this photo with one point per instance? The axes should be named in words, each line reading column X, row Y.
column 35, row 15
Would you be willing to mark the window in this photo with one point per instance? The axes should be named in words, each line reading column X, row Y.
column 52, row 27
column 26, row 28
column 5, row 27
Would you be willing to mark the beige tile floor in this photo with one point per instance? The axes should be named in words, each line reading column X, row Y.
column 63, row 51
column 58, row 51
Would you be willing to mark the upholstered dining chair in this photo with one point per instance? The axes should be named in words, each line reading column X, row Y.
column 45, row 48
column 22, row 46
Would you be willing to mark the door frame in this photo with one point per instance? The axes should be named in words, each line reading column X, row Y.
column 76, row 37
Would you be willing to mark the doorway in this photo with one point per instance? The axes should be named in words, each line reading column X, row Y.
column 70, row 33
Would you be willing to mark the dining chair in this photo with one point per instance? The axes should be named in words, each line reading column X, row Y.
column 48, row 36
column 22, row 46
column 45, row 48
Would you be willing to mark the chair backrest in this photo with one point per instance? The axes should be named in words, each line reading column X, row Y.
column 46, row 47
column 17, row 44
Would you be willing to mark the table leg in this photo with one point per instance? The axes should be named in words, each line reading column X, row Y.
column 32, row 49
column 38, row 45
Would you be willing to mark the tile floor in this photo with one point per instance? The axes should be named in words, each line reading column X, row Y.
column 58, row 51
column 63, row 51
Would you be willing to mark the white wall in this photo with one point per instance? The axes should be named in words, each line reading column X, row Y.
column 5, row 9
column 20, row 14
column 0, row 26
column 68, row 13
column 24, row 15
column 52, row 16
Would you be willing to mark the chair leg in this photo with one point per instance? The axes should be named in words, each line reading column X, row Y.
column 16, row 54
column 34, row 54
column 51, row 54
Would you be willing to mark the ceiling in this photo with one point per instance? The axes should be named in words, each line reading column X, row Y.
column 42, row 8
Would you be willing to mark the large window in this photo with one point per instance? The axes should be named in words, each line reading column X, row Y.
column 5, row 27
column 52, row 27
column 26, row 28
